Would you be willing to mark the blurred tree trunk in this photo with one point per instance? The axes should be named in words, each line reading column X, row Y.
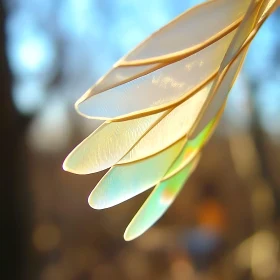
column 15, row 197
column 260, row 141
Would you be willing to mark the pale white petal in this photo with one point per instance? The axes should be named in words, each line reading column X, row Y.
column 160, row 88
column 107, row 145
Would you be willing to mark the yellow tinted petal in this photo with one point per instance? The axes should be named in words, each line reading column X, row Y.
column 107, row 145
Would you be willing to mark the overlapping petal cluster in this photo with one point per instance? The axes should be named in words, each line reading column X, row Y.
column 161, row 103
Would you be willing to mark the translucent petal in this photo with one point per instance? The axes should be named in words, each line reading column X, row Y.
column 193, row 147
column 154, row 102
column 243, row 31
column 125, row 181
column 216, row 15
column 267, row 8
column 158, row 202
column 159, row 89
column 226, row 77
column 218, row 96
column 166, row 191
column 118, row 76
column 168, row 41
column 171, row 128
column 107, row 145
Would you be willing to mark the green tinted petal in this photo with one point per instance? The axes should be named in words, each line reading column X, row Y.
column 166, row 191
column 192, row 148
column 125, row 181
column 158, row 202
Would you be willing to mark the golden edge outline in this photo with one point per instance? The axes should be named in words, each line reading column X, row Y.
column 89, row 93
column 188, row 52
column 179, row 55
column 153, row 154
column 253, row 9
column 272, row 8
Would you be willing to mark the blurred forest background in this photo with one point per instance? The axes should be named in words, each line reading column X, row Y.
column 51, row 52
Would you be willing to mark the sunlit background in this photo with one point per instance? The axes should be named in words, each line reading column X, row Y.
column 224, row 225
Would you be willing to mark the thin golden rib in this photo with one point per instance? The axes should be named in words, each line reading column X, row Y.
column 184, row 98
column 219, row 79
column 173, row 57
column 199, row 150
column 178, row 55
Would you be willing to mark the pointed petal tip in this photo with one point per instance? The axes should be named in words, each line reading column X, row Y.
column 98, row 203
column 83, row 107
column 66, row 167
column 128, row 236
column 79, row 164
column 77, row 171
column 77, row 107
column 93, row 204
column 131, row 232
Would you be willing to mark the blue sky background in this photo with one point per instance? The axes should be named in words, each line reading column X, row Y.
column 57, row 49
